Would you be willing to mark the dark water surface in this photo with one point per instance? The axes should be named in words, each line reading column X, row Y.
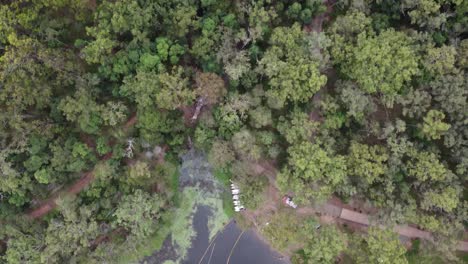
column 200, row 242
column 248, row 250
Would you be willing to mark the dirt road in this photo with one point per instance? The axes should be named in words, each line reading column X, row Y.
column 331, row 211
column 50, row 203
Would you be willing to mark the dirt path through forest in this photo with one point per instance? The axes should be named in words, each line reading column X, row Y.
column 333, row 211
column 50, row 203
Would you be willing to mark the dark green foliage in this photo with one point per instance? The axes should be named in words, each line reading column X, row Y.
column 372, row 108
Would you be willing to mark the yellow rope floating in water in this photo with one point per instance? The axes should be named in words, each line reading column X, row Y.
column 211, row 255
column 232, row 249
column 208, row 248
column 214, row 238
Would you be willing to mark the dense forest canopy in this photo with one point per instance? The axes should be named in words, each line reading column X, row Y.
column 353, row 99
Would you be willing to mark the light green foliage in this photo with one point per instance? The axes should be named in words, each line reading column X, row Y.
column 294, row 10
column 430, row 223
column 114, row 113
column 446, row 199
column 149, row 61
column 29, row 71
column 426, row 166
column 80, row 150
column 260, row 117
column 139, row 213
column 393, row 60
column 138, row 172
column 434, row 127
column 387, row 129
column 70, row 236
column 22, row 248
column 312, row 172
column 334, row 116
column 440, row 60
column 293, row 75
column 168, row 90
column 463, row 54
column 350, row 24
column 297, row 128
column 181, row 18
column 34, row 163
column 229, row 122
column 327, row 244
column 260, row 19
column 43, row 176
column 379, row 246
column 114, row 20
column 174, row 91
column 426, row 13
column 344, row 31
column 70, row 156
column 168, row 51
column 367, row 162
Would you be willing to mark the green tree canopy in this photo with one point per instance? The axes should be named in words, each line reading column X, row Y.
column 167, row 90
column 379, row 246
column 139, row 213
column 367, row 162
column 312, row 172
column 383, row 63
column 293, row 75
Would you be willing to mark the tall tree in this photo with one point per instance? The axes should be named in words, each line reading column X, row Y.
column 312, row 172
column 139, row 213
column 293, row 74
column 379, row 246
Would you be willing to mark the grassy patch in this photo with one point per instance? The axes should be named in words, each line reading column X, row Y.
column 223, row 176
column 182, row 229
column 228, row 207
column 218, row 218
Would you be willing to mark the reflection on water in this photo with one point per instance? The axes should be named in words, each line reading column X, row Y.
column 248, row 250
column 200, row 242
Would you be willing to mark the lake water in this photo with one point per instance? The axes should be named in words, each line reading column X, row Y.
column 250, row 249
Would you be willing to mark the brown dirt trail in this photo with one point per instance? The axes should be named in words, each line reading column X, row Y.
column 49, row 204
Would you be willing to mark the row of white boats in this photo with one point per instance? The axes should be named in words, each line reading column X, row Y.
column 235, row 198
